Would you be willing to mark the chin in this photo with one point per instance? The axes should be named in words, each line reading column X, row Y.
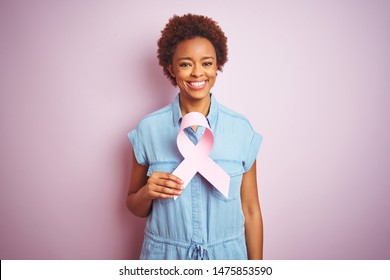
column 197, row 94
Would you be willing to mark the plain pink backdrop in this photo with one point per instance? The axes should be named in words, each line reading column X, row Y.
column 311, row 76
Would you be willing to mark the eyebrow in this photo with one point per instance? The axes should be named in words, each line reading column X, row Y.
column 190, row 58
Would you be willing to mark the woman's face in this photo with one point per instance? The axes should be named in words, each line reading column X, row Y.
column 194, row 65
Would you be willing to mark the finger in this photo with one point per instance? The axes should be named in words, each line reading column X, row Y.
column 169, row 191
column 163, row 192
column 155, row 195
column 170, row 176
column 163, row 186
column 169, row 184
column 163, row 189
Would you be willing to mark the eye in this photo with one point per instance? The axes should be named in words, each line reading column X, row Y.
column 208, row 63
column 184, row 64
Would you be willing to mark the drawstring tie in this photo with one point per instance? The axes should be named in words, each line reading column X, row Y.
column 198, row 252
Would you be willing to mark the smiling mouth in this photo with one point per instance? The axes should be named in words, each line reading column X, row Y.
column 197, row 84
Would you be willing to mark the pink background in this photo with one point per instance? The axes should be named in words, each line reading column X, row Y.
column 311, row 76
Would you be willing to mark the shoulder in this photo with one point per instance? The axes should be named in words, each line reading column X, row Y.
column 157, row 117
column 233, row 118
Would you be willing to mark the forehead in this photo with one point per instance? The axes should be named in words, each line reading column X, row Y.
column 196, row 47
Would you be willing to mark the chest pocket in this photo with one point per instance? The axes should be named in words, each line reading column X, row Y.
column 235, row 171
column 167, row 166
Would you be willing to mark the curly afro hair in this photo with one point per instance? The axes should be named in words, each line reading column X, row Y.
column 189, row 26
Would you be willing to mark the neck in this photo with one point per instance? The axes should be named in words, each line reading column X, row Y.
column 202, row 106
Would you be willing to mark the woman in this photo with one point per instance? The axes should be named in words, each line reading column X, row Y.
column 201, row 223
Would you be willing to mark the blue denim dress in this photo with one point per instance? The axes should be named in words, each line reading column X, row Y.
column 201, row 223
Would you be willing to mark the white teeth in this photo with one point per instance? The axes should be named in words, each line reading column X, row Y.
column 198, row 84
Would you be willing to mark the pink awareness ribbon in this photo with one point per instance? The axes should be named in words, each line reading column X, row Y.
column 196, row 157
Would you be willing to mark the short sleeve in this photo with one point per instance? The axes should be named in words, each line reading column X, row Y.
column 253, row 149
column 139, row 150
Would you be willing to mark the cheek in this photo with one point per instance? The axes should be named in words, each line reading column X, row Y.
column 182, row 75
column 212, row 75
column 180, row 81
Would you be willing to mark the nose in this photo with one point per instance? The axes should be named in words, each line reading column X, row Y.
column 196, row 71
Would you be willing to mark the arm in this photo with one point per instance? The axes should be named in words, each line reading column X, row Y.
column 252, row 214
column 142, row 190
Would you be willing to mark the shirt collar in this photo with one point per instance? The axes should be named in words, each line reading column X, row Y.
column 211, row 117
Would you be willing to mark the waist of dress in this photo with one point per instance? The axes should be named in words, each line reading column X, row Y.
column 186, row 244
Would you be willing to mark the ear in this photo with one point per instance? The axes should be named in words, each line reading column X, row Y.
column 170, row 70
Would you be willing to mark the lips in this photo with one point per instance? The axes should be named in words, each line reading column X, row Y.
column 197, row 84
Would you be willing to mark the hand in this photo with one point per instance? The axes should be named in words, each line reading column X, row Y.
column 163, row 185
